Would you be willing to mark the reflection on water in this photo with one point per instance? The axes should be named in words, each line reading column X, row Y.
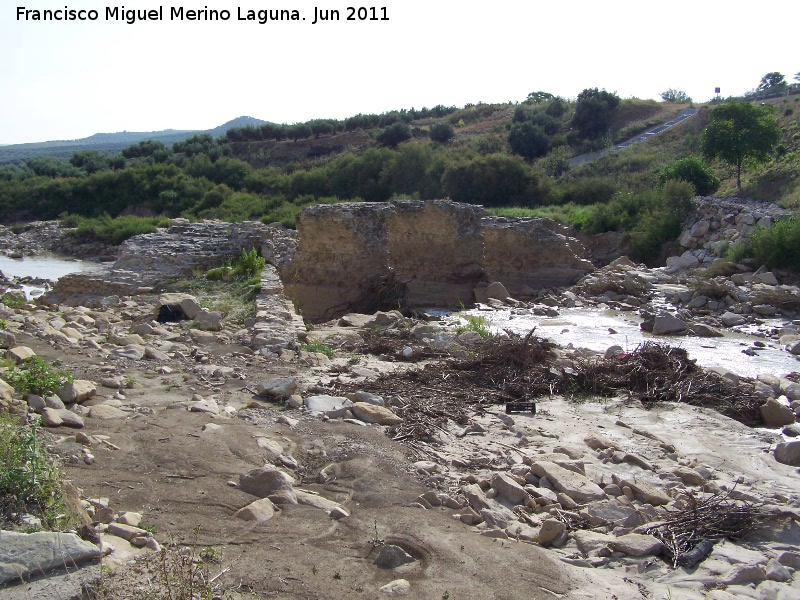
column 593, row 329
column 44, row 266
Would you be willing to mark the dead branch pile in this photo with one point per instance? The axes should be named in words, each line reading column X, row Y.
column 712, row 518
column 516, row 368
column 661, row 373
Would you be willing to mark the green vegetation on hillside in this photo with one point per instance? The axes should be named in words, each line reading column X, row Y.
column 504, row 156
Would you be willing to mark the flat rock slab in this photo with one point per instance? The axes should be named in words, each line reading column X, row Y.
column 645, row 492
column 104, row 411
column 28, row 554
column 333, row 406
column 574, row 485
column 635, row 544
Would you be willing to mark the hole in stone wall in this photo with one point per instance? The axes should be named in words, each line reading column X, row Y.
column 170, row 314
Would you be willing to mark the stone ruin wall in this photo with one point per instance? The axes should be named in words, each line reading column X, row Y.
column 440, row 250
column 352, row 257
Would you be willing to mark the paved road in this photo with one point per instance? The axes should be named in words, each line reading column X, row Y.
column 582, row 158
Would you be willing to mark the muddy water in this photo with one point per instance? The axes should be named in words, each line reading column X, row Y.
column 43, row 267
column 599, row 329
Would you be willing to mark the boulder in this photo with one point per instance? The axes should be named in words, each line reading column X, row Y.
column 788, row 453
column 398, row 587
column 260, row 510
column 79, row 390
column 730, row 319
column 208, row 320
column 550, row 530
column 371, row 413
column 391, row 557
column 19, row 353
column 576, row 486
column 509, row 489
column 497, row 291
column 268, row 481
column 666, row 324
column 332, row 406
column 775, row 414
column 277, row 388
column 26, row 555
column 636, row 544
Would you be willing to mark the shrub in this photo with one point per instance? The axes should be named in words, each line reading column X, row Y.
column 478, row 324
column 35, row 376
column 693, row 170
column 13, row 299
column 319, row 347
column 592, row 116
column 250, row 263
column 589, row 190
column 30, row 481
column 442, row 132
column 778, row 245
column 115, row 230
column 528, row 140
column 394, row 134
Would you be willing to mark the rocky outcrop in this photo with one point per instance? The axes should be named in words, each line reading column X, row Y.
column 537, row 253
column 145, row 261
column 714, row 223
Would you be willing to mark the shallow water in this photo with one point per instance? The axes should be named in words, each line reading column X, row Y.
column 43, row 266
column 586, row 328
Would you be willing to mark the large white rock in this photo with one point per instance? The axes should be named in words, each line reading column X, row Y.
column 574, row 485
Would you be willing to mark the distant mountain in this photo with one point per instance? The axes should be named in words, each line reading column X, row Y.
column 110, row 143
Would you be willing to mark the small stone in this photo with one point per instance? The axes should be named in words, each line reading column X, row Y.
column 261, row 510
column 549, row 531
column 277, row 388
column 339, row 512
column 375, row 414
column 398, row 587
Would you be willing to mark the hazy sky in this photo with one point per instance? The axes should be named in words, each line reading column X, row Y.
column 71, row 79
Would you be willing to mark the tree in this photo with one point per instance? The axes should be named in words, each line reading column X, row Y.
column 739, row 133
column 593, row 112
column 528, row 140
column 772, row 82
column 675, row 96
column 693, row 170
column 394, row 134
column 442, row 132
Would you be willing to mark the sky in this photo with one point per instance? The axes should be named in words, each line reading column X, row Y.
column 62, row 80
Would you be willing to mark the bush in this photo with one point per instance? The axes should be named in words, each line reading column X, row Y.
column 776, row 246
column 394, row 134
column 592, row 116
column 35, row 376
column 113, row 231
column 30, row 481
column 442, row 132
column 528, row 140
column 250, row 264
column 589, row 190
column 693, row 170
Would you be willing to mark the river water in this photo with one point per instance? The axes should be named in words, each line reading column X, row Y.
column 592, row 329
column 43, row 266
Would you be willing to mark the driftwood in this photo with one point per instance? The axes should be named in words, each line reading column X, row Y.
column 688, row 534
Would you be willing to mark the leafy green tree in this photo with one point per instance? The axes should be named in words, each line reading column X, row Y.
column 740, row 133
column 90, row 161
column 539, row 97
column 394, row 134
column 442, row 132
column 693, row 170
column 528, row 140
column 675, row 96
column 772, row 82
column 143, row 148
column 593, row 110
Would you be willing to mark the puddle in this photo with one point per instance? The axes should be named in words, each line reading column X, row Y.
column 599, row 329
